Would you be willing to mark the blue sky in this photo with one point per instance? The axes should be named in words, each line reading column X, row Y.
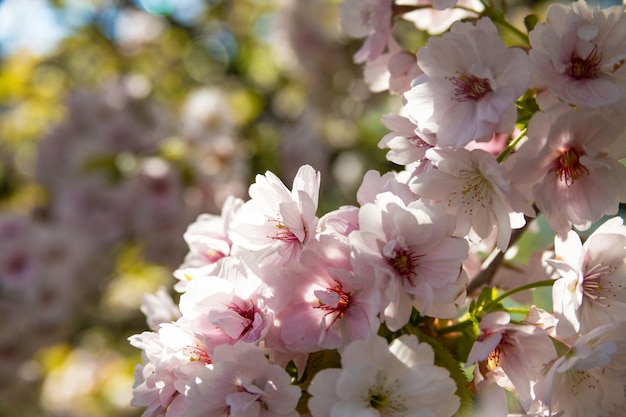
column 38, row 27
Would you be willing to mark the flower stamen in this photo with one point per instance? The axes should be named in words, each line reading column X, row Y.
column 246, row 313
column 593, row 287
column 405, row 262
column 197, row 354
column 584, row 68
column 283, row 233
column 470, row 87
column 343, row 303
column 568, row 167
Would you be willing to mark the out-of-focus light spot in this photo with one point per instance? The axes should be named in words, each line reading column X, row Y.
column 189, row 12
column 77, row 13
column 31, row 25
column 134, row 28
column 201, row 65
column 246, row 106
column 207, row 57
column 264, row 27
column 348, row 170
column 107, row 22
column 340, row 133
column 139, row 86
column 220, row 40
column 216, row 49
column 49, row 80
column 160, row 7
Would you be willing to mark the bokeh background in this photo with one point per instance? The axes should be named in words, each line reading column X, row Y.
column 120, row 123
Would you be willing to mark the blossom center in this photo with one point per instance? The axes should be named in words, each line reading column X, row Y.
column 584, row 68
column 333, row 301
column 197, row 354
column 378, row 401
column 247, row 313
column 283, row 233
column 568, row 167
column 469, row 87
column 383, row 400
column 475, row 193
column 593, row 287
column 405, row 262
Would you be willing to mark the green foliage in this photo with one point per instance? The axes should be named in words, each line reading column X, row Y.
column 531, row 21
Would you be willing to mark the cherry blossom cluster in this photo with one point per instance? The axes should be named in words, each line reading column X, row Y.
column 374, row 309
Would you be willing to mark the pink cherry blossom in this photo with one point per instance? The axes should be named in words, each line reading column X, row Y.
column 331, row 304
column 415, row 258
column 241, row 382
column 370, row 19
column 226, row 309
column 159, row 308
column 591, row 289
column 393, row 70
column 377, row 379
column 208, row 242
column 170, row 354
column 578, row 53
column 339, row 223
column 470, row 84
column 406, row 143
column 512, row 356
column 374, row 184
column 588, row 380
column 276, row 223
column 438, row 19
column 571, row 161
column 475, row 189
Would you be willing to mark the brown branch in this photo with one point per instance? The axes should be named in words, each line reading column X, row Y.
column 493, row 261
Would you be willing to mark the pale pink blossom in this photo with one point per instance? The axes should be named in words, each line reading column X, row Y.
column 277, row 222
column 331, row 305
column 374, row 184
column 393, row 70
column 512, row 356
column 376, row 379
column 159, row 308
column 570, row 162
column 470, row 83
column 413, row 255
column 406, row 142
column 208, row 242
column 579, row 52
column 438, row 19
column 370, row 19
column 588, row 380
column 228, row 308
column 339, row 223
column 474, row 188
column 591, row 289
column 170, row 354
column 241, row 382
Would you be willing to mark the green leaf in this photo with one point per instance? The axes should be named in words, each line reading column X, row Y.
column 531, row 21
